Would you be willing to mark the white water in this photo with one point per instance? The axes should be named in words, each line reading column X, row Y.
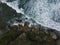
column 14, row 5
column 40, row 11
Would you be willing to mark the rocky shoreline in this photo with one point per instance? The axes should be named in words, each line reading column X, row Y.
column 25, row 32
column 26, row 35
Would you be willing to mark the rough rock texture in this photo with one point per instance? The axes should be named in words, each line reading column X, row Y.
column 24, row 35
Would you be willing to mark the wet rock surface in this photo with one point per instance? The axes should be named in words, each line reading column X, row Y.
column 29, row 33
column 31, row 36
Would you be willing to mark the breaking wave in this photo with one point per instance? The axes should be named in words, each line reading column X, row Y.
column 44, row 12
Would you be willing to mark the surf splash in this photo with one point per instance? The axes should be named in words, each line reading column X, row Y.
column 14, row 5
column 44, row 12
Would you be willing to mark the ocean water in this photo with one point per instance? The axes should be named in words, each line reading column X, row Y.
column 44, row 12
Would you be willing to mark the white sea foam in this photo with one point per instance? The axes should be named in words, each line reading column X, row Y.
column 41, row 11
column 14, row 5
